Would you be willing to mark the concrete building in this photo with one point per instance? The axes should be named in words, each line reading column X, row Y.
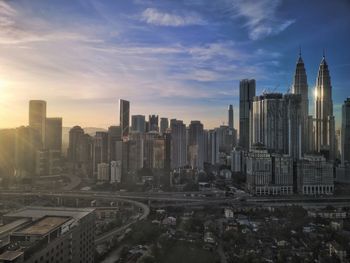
column 324, row 118
column 237, row 159
column 75, row 136
column 37, row 118
column 300, row 86
column 246, row 95
column 124, row 117
column 138, row 123
column 345, row 133
column 49, row 234
column 53, row 134
column 178, row 144
column 315, row 175
column 103, row 172
column 7, row 150
column 153, row 121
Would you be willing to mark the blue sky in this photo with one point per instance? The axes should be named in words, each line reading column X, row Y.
column 176, row 58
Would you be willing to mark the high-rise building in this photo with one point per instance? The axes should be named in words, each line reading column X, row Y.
column 153, row 123
column 53, row 134
column 268, row 120
column 49, row 234
column 27, row 142
column 124, row 117
column 300, row 86
column 164, row 125
column 100, row 150
column 178, row 144
column 75, row 136
column 269, row 174
column 213, row 147
column 114, row 135
column 315, row 175
column 116, row 172
column 345, row 133
column 246, row 95
column 230, row 117
column 196, row 145
column 7, row 150
column 138, row 123
column 324, row 119
column 37, row 118
column 103, row 172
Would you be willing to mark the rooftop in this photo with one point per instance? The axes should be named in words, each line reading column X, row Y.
column 10, row 255
column 43, row 226
column 38, row 212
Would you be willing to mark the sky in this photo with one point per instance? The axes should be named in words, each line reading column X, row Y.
column 176, row 58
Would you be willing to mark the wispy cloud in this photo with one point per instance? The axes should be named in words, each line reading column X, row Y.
column 261, row 17
column 156, row 17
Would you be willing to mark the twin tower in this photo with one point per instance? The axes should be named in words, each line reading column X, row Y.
column 318, row 131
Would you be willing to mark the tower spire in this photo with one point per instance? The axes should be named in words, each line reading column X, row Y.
column 324, row 53
column 299, row 51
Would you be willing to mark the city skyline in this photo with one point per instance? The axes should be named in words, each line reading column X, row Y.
column 188, row 77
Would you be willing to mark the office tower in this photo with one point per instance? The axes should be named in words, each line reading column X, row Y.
column 138, row 123
column 85, row 156
column 300, row 86
column 37, row 118
column 213, row 147
column 338, row 144
column 164, row 125
column 205, row 146
column 49, row 234
column 345, row 132
column 135, row 148
column 75, row 136
column 103, row 172
column 294, row 125
column 53, row 134
column 324, row 119
column 237, row 160
column 315, row 175
column 124, row 117
column 7, row 152
column 268, row 120
column 246, row 95
column 100, row 149
column 178, row 144
column 27, row 142
column 153, row 123
column 114, row 135
column 230, row 117
column 269, row 174
column 167, row 161
column 116, row 172
column 196, row 145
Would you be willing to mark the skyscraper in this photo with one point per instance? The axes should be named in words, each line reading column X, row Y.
column 196, row 144
column 114, row 135
column 37, row 118
column 75, row 137
column 345, row 132
column 246, row 95
column 230, row 117
column 53, row 134
column 153, row 123
column 124, row 116
column 138, row 123
column 324, row 119
column 178, row 144
column 100, row 149
column 164, row 125
column 300, row 86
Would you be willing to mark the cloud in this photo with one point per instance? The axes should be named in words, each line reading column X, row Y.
column 155, row 17
column 261, row 17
